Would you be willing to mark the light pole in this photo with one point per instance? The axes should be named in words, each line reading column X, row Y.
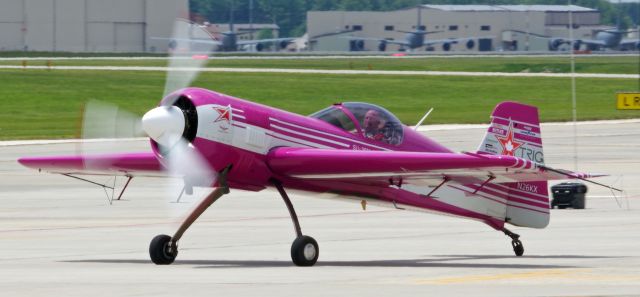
column 574, row 111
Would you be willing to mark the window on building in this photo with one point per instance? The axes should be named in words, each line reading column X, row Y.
column 453, row 28
column 357, row 27
column 388, row 28
column 485, row 28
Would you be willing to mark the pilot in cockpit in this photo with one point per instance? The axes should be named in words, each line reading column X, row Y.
column 377, row 128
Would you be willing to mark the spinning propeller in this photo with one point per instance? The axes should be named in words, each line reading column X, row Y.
column 172, row 125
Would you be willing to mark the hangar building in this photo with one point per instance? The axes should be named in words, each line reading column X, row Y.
column 87, row 25
column 501, row 27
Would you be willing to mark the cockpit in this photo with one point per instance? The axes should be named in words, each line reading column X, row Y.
column 364, row 119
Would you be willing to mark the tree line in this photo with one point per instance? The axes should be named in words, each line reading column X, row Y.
column 290, row 15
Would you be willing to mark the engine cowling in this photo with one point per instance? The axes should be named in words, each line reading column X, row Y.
column 446, row 46
column 172, row 45
column 554, row 44
column 259, row 47
column 283, row 44
column 470, row 44
column 577, row 44
column 382, row 46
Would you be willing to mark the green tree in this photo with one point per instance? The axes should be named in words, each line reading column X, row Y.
column 355, row 5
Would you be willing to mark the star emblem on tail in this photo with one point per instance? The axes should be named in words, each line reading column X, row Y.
column 509, row 145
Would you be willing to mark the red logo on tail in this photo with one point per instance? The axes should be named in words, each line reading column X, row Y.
column 509, row 145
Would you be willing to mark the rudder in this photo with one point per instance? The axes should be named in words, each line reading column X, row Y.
column 515, row 131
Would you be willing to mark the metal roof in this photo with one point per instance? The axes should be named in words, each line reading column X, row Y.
column 541, row 8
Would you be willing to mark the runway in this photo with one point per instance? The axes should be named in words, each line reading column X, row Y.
column 324, row 71
column 60, row 236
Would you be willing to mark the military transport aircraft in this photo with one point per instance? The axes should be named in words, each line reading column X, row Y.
column 605, row 39
column 228, row 42
column 612, row 38
column 358, row 150
column 417, row 39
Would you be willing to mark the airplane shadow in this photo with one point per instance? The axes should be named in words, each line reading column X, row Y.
column 439, row 261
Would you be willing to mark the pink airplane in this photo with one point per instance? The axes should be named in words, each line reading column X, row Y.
column 358, row 150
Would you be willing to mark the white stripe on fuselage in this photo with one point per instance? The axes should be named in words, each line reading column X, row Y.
column 328, row 134
column 309, row 136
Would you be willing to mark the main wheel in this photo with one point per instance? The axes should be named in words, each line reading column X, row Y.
column 162, row 250
column 518, row 248
column 304, row 251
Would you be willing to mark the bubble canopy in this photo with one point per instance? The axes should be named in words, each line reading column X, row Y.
column 365, row 119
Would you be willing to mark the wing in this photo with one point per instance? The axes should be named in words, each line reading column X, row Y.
column 371, row 167
column 562, row 39
column 249, row 42
column 590, row 41
column 196, row 41
column 132, row 164
column 453, row 40
column 629, row 41
column 377, row 39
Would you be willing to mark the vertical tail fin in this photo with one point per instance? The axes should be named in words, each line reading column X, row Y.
column 515, row 131
column 419, row 21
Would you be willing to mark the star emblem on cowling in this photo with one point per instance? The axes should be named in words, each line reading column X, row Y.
column 509, row 145
column 224, row 114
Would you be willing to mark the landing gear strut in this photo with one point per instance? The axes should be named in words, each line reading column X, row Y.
column 163, row 249
column 304, row 249
column 518, row 248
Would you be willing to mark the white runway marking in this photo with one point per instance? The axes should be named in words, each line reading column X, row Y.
column 339, row 72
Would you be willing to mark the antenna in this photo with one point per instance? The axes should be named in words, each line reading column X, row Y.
column 422, row 119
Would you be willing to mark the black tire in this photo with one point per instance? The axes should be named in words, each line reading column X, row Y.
column 162, row 251
column 304, row 251
column 518, row 248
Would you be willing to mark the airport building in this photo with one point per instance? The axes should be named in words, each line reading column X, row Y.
column 87, row 25
column 498, row 27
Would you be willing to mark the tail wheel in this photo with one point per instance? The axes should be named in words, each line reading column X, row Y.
column 518, row 248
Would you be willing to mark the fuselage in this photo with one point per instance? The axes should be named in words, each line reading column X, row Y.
column 610, row 39
column 229, row 42
column 236, row 132
column 245, row 135
column 415, row 39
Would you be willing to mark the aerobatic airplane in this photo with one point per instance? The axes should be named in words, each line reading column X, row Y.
column 358, row 150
